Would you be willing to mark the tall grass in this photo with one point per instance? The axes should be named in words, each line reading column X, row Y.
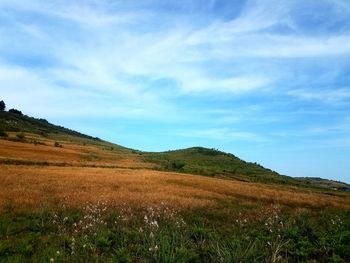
column 99, row 233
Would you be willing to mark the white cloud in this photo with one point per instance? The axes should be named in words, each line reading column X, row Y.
column 224, row 134
column 101, row 56
column 35, row 93
column 329, row 96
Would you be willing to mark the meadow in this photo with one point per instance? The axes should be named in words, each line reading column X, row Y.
column 70, row 199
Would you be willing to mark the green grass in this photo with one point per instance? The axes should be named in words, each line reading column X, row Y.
column 214, row 163
column 325, row 183
column 17, row 123
column 98, row 233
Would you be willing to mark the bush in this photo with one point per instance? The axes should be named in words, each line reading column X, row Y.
column 14, row 111
column 2, row 105
column 20, row 136
column 57, row 144
column 3, row 134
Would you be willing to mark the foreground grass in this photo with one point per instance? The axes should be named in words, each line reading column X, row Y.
column 226, row 233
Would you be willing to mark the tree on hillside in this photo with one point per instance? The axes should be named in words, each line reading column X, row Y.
column 2, row 105
column 16, row 112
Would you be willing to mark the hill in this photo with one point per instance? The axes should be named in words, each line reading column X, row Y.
column 215, row 163
column 68, row 197
column 325, row 183
column 16, row 122
column 195, row 160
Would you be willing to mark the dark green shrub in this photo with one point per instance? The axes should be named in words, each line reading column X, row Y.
column 14, row 111
column 2, row 105
column 3, row 134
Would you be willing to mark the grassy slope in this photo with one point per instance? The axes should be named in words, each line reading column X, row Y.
column 196, row 160
column 325, row 183
column 86, row 214
column 22, row 123
column 211, row 162
column 11, row 122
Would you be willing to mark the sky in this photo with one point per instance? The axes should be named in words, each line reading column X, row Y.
column 266, row 80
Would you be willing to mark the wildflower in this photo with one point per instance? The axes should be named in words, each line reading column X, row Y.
column 58, row 253
column 52, row 260
column 154, row 223
column 155, row 248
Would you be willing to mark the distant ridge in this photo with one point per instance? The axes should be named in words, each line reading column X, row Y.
column 325, row 183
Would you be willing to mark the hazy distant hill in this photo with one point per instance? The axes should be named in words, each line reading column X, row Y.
column 325, row 183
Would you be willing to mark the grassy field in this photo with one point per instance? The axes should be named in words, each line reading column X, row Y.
column 71, row 198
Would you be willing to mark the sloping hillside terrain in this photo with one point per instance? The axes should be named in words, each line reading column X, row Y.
column 85, row 150
column 69, row 197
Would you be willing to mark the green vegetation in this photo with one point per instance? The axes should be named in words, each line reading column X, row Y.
column 98, row 233
column 15, row 122
column 3, row 134
column 14, row 111
column 325, row 183
column 2, row 105
column 211, row 162
column 20, row 136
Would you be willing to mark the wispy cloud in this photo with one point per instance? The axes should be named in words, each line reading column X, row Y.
column 328, row 96
column 257, row 72
column 224, row 134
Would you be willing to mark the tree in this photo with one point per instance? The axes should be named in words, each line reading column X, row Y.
column 2, row 105
column 16, row 112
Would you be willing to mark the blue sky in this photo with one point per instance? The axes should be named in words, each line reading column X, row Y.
column 267, row 80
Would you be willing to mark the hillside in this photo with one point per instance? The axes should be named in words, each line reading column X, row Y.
column 91, row 151
column 214, row 163
column 14, row 122
column 325, row 183
column 68, row 197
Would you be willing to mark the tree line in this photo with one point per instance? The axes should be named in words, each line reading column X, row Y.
column 3, row 108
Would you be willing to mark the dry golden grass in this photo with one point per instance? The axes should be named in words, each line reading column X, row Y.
column 34, row 187
column 30, row 187
column 70, row 153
